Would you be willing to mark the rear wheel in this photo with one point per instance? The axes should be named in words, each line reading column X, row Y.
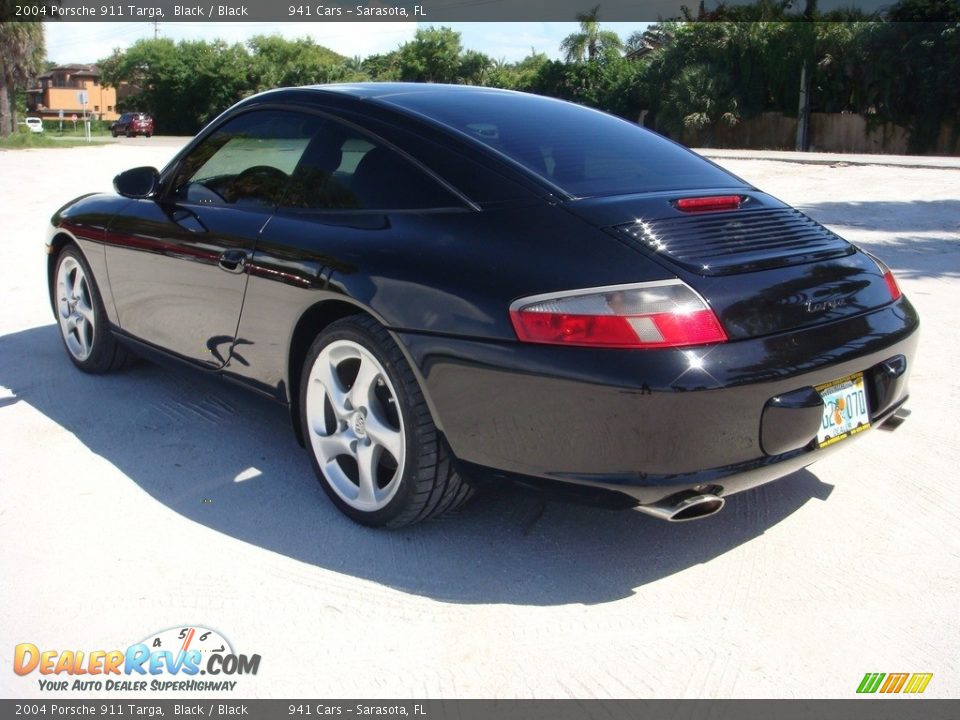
column 373, row 442
column 82, row 318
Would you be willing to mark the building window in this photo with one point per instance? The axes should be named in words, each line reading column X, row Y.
column 109, row 108
column 96, row 108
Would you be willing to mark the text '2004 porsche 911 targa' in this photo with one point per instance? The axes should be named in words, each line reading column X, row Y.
column 452, row 286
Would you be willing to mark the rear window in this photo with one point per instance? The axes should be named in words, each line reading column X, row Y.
column 582, row 151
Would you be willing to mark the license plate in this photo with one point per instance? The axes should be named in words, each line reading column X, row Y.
column 845, row 410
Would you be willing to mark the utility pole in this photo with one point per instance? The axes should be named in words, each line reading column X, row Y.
column 156, row 29
column 803, row 111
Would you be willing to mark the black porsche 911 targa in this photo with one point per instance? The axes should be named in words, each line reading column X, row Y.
column 451, row 286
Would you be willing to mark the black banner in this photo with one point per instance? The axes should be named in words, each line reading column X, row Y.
column 854, row 709
column 441, row 11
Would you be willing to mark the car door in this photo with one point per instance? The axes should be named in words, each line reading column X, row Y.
column 178, row 262
column 354, row 209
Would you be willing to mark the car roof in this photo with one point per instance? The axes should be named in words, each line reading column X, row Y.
column 375, row 90
column 379, row 93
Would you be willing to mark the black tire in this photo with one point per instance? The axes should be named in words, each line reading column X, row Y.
column 147, row 134
column 429, row 484
column 105, row 354
column 114, row 133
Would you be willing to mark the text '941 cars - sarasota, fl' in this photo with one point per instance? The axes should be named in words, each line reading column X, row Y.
column 452, row 286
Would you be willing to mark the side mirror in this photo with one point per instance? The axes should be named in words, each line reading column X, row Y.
column 141, row 182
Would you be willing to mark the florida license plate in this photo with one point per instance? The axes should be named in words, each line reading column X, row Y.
column 845, row 409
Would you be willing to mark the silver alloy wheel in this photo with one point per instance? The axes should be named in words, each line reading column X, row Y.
column 355, row 425
column 75, row 308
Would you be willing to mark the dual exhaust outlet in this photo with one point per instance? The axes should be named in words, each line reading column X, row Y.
column 684, row 506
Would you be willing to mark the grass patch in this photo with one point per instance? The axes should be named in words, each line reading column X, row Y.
column 24, row 140
column 73, row 132
column 97, row 127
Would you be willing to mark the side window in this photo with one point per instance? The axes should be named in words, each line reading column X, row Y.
column 344, row 169
column 246, row 162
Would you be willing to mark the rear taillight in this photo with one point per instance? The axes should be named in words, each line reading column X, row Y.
column 642, row 315
column 892, row 286
column 708, row 204
column 895, row 292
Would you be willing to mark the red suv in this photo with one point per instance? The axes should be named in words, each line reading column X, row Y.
column 132, row 124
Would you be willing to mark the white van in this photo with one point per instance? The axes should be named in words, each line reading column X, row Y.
column 35, row 124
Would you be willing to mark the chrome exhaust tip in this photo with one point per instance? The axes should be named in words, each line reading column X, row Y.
column 895, row 420
column 684, row 507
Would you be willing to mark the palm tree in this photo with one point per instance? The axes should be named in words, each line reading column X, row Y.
column 699, row 99
column 591, row 41
column 21, row 57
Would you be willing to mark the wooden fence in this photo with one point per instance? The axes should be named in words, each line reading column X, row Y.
column 829, row 132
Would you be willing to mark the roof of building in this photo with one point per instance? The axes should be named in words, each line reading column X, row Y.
column 88, row 70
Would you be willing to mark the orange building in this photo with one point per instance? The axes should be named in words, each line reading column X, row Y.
column 59, row 90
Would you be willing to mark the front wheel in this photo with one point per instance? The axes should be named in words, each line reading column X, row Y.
column 82, row 318
column 373, row 442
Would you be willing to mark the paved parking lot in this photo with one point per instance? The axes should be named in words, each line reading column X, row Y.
column 156, row 498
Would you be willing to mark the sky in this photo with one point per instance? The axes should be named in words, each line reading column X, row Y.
column 88, row 42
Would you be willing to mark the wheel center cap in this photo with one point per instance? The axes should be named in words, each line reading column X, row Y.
column 359, row 424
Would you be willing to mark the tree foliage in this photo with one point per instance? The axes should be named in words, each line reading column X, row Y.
column 592, row 42
column 186, row 84
column 900, row 67
column 911, row 72
column 183, row 85
column 713, row 67
column 277, row 62
column 432, row 56
column 21, row 59
column 436, row 55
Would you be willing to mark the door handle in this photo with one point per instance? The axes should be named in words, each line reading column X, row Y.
column 233, row 261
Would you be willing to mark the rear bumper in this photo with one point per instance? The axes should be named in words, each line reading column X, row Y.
column 629, row 427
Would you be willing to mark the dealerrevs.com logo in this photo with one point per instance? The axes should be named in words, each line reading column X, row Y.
column 172, row 659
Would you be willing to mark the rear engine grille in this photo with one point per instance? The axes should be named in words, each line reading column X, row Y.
column 723, row 243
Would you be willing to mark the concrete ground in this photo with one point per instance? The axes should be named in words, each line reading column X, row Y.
column 157, row 498
column 839, row 159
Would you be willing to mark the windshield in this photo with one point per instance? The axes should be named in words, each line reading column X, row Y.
column 582, row 151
